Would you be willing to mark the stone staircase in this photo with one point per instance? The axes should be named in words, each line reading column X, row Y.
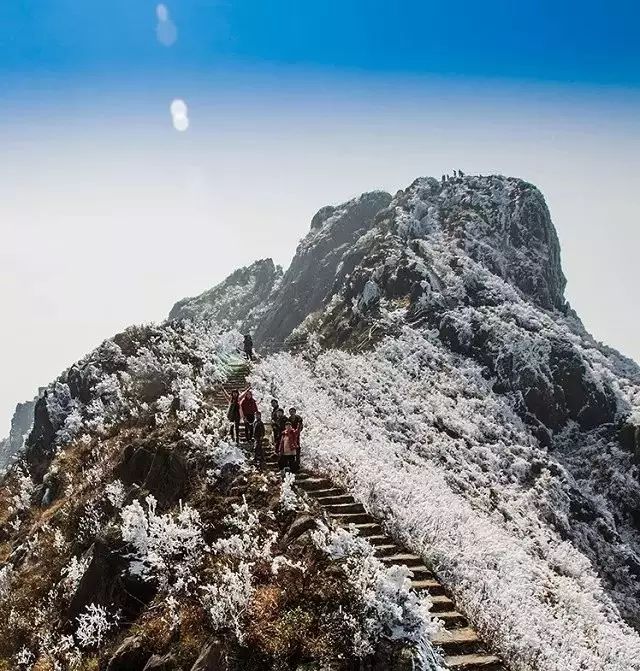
column 459, row 644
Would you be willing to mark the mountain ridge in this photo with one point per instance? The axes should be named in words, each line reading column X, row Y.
column 444, row 380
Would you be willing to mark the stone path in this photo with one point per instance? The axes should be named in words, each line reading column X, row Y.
column 460, row 645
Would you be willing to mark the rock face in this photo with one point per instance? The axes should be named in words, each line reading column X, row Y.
column 306, row 286
column 21, row 424
column 40, row 442
column 475, row 258
column 238, row 302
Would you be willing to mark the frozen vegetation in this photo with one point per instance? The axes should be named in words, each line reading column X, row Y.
column 418, row 435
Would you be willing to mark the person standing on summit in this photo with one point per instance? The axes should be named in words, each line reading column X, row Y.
column 248, row 347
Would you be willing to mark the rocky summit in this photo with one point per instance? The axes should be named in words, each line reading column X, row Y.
column 470, row 489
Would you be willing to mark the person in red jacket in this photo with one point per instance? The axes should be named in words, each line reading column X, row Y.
column 249, row 407
column 287, row 448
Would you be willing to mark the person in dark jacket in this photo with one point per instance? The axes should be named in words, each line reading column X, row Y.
column 248, row 347
column 258, row 436
column 233, row 415
column 274, row 419
column 297, row 424
column 279, row 427
column 249, row 408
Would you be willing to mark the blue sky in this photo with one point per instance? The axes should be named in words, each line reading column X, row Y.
column 108, row 214
column 590, row 42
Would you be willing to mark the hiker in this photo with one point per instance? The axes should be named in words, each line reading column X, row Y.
column 258, row 435
column 296, row 423
column 249, row 409
column 233, row 415
column 248, row 347
column 274, row 418
column 287, row 449
column 278, row 427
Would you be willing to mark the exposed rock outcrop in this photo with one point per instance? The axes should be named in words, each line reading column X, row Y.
column 307, row 284
column 21, row 424
column 238, row 302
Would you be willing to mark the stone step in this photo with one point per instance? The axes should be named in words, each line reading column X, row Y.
column 456, row 641
column 352, row 518
column 405, row 558
column 368, row 529
column 430, row 585
column 334, row 499
column 440, row 603
column 320, row 493
column 385, row 550
column 350, row 508
column 420, row 573
column 309, row 483
column 379, row 540
column 452, row 618
column 473, row 662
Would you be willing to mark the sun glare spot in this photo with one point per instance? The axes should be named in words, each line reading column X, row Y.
column 166, row 30
column 180, row 123
column 179, row 114
column 162, row 13
column 179, row 108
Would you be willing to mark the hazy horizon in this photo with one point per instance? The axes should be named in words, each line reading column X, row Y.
column 110, row 215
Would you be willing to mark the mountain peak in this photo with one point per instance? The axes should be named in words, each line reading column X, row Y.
column 501, row 222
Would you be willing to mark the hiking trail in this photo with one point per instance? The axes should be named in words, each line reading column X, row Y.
column 458, row 642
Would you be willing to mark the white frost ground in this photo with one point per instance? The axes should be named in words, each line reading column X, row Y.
column 470, row 505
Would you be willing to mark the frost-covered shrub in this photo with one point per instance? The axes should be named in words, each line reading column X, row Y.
column 115, row 493
column 227, row 598
column 6, row 573
column 165, row 546
column 93, row 625
column 387, row 606
column 21, row 499
column 25, row 659
column 90, row 523
column 74, row 571
column 250, row 540
column 289, row 499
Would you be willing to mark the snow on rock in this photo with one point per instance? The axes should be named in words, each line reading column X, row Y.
column 239, row 301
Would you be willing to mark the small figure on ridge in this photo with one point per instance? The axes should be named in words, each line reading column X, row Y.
column 248, row 347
